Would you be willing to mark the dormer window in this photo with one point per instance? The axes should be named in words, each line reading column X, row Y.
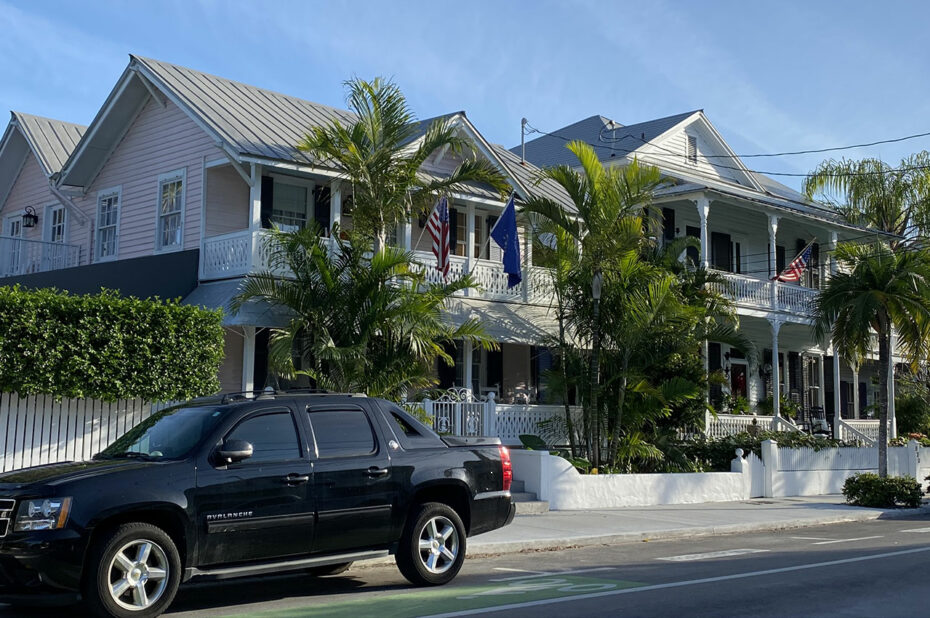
column 692, row 150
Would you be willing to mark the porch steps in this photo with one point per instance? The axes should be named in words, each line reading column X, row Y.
column 526, row 502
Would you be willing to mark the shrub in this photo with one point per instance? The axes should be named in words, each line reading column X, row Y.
column 869, row 489
column 715, row 454
column 105, row 346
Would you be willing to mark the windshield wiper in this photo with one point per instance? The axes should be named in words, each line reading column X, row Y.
column 132, row 455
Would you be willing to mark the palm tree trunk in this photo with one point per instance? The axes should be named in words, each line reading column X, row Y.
column 884, row 358
column 618, row 422
column 568, row 411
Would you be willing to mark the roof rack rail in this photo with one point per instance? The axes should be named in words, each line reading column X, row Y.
column 244, row 395
column 305, row 389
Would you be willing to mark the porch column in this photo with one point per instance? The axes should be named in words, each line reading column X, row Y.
column 773, row 256
column 822, row 392
column 837, row 401
column 248, row 358
column 703, row 207
column 407, row 233
column 255, row 198
column 335, row 203
column 855, row 372
column 833, row 240
column 467, row 352
column 776, row 373
column 892, row 421
column 470, row 247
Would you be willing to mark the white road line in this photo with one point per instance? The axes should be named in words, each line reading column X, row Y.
column 550, row 574
column 690, row 582
column 861, row 538
column 713, row 554
column 518, row 570
column 916, row 530
column 810, row 538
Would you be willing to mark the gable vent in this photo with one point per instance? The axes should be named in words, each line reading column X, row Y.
column 692, row 150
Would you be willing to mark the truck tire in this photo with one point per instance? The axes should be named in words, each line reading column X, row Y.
column 432, row 547
column 329, row 569
column 132, row 572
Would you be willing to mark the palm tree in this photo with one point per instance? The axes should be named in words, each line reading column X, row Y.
column 381, row 154
column 895, row 200
column 359, row 322
column 877, row 290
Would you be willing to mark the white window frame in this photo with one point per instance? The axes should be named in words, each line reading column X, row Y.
column 163, row 179
column 12, row 259
column 304, row 183
column 101, row 195
column 47, row 226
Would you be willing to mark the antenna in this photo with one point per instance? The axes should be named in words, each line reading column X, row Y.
column 523, row 140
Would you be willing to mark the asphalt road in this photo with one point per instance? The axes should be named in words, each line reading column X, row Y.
column 874, row 568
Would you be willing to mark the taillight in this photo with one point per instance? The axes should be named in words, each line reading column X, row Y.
column 506, row 467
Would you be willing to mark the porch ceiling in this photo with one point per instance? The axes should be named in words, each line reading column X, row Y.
column 791, row 337
column 506, row 322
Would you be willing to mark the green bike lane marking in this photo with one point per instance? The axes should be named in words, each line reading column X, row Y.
column 425, row 602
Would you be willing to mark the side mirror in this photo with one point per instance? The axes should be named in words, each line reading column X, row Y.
column 234, row 450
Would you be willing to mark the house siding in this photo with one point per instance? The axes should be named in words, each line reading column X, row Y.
column 30, row 189
column 160, row 140
column 227, row 202
column 670, row 152
column 231, row 368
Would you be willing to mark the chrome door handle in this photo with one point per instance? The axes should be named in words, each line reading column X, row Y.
column 376, row 471
column 295, row 479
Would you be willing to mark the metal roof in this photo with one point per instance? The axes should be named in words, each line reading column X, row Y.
column 52, row 141
column 528, row 174
column 609, row 138
column 253, row 121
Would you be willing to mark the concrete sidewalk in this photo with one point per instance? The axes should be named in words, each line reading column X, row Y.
column 558, row 529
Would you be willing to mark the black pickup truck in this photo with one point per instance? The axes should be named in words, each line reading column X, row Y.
column 245, row 485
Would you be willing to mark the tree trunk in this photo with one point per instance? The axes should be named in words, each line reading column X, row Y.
column 884, row 358
column 621, row 400
column 568, row 410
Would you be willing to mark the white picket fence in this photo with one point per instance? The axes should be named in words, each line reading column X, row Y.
column 38, row 430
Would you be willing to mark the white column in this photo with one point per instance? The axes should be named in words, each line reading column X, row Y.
column 833, row 240
column 773, row 256
column 822, row 392
column 892, row 421
column 703, row 207
column 255, row 198
column 855, row 372
column 776, row 373
column 335, row 203
column 407, row 233
column 467, row 352
column 248, row 358
column 837, row 400
column 470, row 256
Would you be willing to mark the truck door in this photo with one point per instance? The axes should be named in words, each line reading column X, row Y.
column 353, row 484
column 260, row 507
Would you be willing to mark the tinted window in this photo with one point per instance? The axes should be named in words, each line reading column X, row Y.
column 272, row 436
column 342, row 433
column 169, row 434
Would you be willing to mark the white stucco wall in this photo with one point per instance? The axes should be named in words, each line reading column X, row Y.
column 555, row 480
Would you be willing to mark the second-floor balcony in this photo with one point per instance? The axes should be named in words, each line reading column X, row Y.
column 239, row 253
column 767, row 296
column 19, row 256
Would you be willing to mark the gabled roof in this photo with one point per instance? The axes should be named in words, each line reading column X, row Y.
column 49, row 141
column 609, row 138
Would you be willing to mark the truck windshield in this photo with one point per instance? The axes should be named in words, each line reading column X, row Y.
column 168, row 434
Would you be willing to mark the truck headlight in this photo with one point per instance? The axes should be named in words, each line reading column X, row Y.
column 42, row 514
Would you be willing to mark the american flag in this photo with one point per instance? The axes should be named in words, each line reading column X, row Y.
column 795, row 269
column 438, row 226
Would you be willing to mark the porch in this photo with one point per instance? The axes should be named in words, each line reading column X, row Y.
column 20, row 256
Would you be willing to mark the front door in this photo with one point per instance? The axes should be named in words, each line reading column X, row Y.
column 738, row 374
column 353, row 482
column 259, row 508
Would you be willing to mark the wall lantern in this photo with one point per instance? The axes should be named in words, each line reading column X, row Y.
column 30, row 218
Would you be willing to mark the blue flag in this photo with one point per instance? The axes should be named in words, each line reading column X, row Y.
column 505, row 235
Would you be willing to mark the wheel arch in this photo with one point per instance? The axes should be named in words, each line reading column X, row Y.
column 455, row 495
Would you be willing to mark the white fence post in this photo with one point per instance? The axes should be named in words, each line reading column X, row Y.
column 490, row 416
column 770, row 469
column 913, row 459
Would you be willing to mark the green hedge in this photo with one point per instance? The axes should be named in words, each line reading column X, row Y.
column 868, row 489
column 104, row 346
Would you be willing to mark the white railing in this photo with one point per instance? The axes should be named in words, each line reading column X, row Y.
column 514, row 420
column 796, row 459
column 865, row 431
column 19, row 256
column 767, row 295
column 228, row 255
column 491, row 279
column 724, row 425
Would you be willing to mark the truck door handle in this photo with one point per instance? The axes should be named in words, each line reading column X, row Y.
column 376, row 471
column 295, row 479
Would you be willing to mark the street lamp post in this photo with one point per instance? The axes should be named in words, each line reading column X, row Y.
column 596, row 283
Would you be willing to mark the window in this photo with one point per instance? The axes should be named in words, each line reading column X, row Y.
column 273, row 437
column 12, row 250
column 342, row 433
column 692, row 150
column 289, row 211
column 55, row 232
column 107, row 224
column 170, row 223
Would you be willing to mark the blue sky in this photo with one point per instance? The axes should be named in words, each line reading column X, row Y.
column 771, row 76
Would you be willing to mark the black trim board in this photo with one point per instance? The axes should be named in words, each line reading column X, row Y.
column 168, row 275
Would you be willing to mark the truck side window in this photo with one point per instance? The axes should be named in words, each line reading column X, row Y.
column 342, row 433
column 273, row 437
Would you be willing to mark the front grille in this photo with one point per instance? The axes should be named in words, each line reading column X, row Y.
column 6, row 515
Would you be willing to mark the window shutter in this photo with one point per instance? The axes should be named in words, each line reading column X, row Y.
column 668, row 222
column 692, row 149
column 453, row 229
column 494, row 251
column 321, row 212
column 267, row 200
